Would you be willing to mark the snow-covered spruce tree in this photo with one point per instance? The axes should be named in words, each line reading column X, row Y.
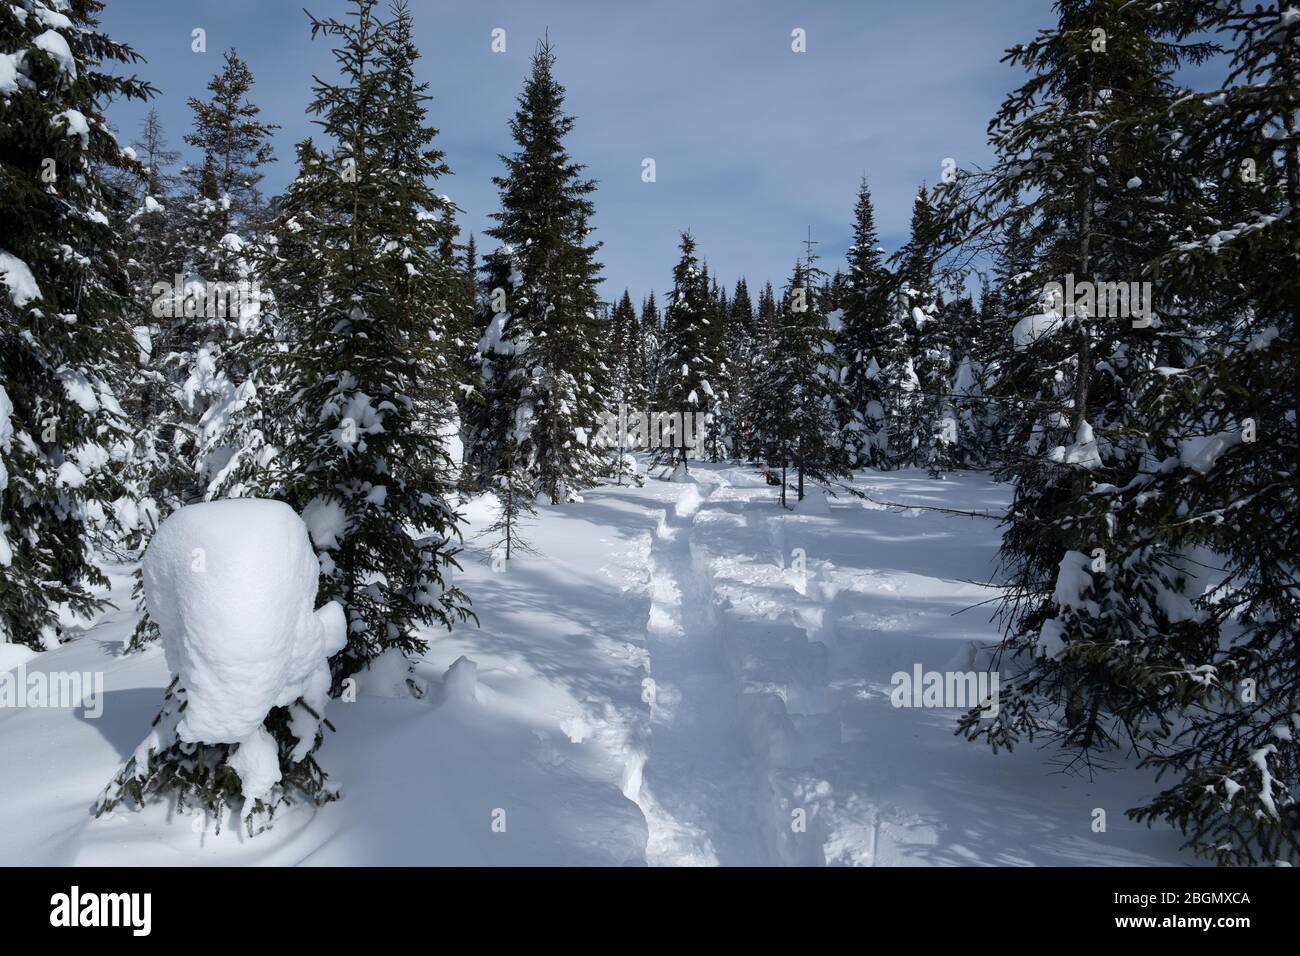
column 151, row 470
column 221, row 215
column 1228, row 397
column 799, row 391
column 65, row 313
column 234, row 143
column 1007, row 296
column 867, row 343
column 617, row 341
column 200, row 337
column 975, row 411
column 939, row 349
column 543, row 276
column 638, row 388
column 687, row 355
column 716, row 438
column 152, row 223
column 1084, row 190
column 911, row 365
column 624, row 385
column 362, row 297
column 241, row 718
column 652, row 338
column 466, row 362
column 501, row 420
column 142, row 191
column 761, row 327
column 742, row 365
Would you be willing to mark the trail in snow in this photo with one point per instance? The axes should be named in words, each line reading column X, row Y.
column 772, row 637
column 698, row 779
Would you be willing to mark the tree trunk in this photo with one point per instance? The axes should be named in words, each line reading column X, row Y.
column 1075, row 702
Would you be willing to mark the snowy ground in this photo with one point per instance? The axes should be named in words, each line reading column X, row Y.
column 660, row 684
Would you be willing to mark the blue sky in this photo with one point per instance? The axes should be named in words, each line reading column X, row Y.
column 754, row 144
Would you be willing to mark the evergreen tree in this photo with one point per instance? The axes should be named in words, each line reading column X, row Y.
column 716, row 439
column 65, row 314
column 365, row 296
column 624, row 335
column 1226, row 397
column 742, row 366
column 463, row 335
column 940, row 351
column 234, row 143
column 799, row 389
column 913, row 365
column 148, row 210
column 200, row 333
column 977, row 414
column 153, row 470
column 1082, row 192
column 204, row 341
column 635, row 361
column 515, row 493
column 653, row 343
column 867, row 344
column 687, row 354
column 546, row 273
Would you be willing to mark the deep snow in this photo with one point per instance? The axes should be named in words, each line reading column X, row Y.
column 683, row 674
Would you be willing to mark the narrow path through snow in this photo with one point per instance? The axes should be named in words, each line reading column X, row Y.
column 699, row 778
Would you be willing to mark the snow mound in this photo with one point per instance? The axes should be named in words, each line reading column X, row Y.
column 1085, row 452
column 1201, row 453
column 53, row 43
column 232, row 587
column 8, row 73
column 15, row 274
column 1034, row 327
column 814, row 501
column 629, row 465
column 327, row 522
column 460, row 683
column 14, row 655
column 688, row 503
column 389, row 675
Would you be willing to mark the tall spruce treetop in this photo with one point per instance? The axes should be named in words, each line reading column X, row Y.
column 200, row 349
column 234, row 144
column 547, row 272
column 64, row 310
column 916, row 259
column 742, row 307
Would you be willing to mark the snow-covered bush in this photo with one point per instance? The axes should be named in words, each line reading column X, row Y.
column 232, row 587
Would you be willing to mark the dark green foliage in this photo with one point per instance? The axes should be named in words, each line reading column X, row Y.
column 65, row 345
column 198, row 778
column 798, row 392
column 365, row 296
column 544, row 381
